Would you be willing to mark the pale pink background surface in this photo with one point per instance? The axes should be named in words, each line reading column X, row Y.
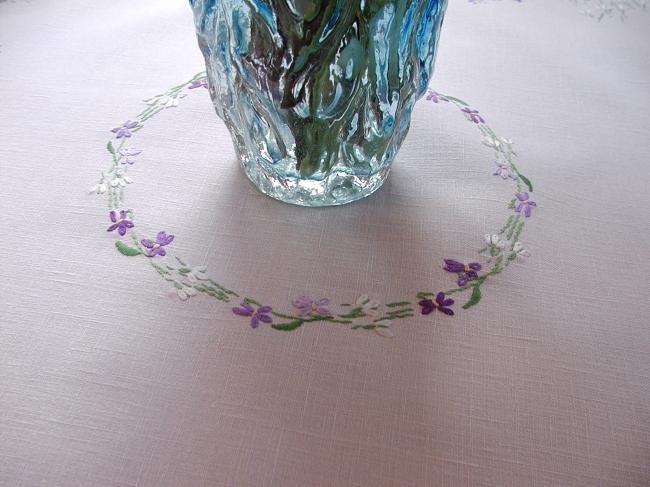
column 108, row 379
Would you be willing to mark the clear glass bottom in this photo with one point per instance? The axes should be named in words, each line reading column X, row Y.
column 338, row 188
column 318, row 95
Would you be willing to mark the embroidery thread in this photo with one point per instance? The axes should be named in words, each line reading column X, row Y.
column 500, row 250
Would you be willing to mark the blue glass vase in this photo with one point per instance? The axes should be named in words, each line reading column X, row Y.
column 318, row 94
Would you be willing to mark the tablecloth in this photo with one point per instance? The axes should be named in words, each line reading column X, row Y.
column 274, row 345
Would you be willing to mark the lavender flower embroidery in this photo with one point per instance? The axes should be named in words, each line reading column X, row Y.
column 261, row 314
column 127, row 155
column 121, row 223
column 435, row 97
column 125, row 129
column 198, row 83
column 157, row 247
column 441, row 304
column 473, row 115
column 307, row 305
column 467, row 271
column 524, row 204
column 504, row 169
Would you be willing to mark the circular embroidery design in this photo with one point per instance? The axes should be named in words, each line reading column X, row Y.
column 467, row 276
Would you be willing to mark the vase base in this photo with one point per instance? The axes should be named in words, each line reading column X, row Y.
column 338, row 188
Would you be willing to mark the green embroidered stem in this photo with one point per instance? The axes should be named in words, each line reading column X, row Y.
column 368, row 327
column 355, row 313
column 224, row 289
column 457, row 100
column 515, row 237
column 159, row 269
column 512, row 228
column 507, row 225
column 286, row 317
column 252, row 301
column 292, row 325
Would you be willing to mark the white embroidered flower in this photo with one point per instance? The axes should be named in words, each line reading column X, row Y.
column 495, row 241
column 520, row 251
column 127, row 155
column 170, row 101
column 197, row 273
column 98, row 188
column 498, row 143
column 186, row 293
column 165, row 101
column 121, row 181
column 385, row 329
column 369, row 306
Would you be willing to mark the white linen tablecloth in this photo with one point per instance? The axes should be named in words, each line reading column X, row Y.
column 121, row 370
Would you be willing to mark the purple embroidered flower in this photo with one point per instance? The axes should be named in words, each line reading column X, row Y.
column 524, row 203
column 157, row 247
column 127, row 155
column 125, row 129
column 441, row 304
column 473, row 115
column 504, row 169
column 435, row 97
column 261, row 314
column 466, row 272
column 198, row 83
column 121, row 223
column 307, row 306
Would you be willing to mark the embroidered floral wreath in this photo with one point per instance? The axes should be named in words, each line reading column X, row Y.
column 500, row 248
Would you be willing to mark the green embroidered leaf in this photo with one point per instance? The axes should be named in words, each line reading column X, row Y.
column 424, row 295
column 355, row 313
column 507, row 225
column 474, row 299
column 453, row 98
column 184, row 270
column 397, row 314
column 394, row 305
column 162, row 271
column 400, row 316
column 110, row 148
column 126, row 250
column 526, row 182
column 512, row 203
column 288, row 326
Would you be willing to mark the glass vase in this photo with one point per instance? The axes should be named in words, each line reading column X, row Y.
column 317, row 94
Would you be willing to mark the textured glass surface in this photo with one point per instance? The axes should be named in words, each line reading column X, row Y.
column 317, row 94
